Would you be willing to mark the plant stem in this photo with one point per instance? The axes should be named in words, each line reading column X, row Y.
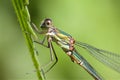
column 23, row 16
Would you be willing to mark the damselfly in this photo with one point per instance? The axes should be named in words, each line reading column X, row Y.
column 67, row 43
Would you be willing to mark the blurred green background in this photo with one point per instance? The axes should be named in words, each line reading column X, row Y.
column 95, row 22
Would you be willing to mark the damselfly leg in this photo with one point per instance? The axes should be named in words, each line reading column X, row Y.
column 53, row 56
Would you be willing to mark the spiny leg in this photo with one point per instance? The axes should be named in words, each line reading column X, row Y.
column 50, row 46
column 42, row 42
column 40, row 32
column 52, row 55
column 36, row 29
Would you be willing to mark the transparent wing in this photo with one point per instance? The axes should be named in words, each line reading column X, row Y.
column 108, row 58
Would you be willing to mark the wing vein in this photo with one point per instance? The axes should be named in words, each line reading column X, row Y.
column 108, row 58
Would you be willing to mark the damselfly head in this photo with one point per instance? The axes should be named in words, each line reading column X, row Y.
column 47, row 23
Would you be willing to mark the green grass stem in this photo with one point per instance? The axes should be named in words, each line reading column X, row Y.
column 20, row 7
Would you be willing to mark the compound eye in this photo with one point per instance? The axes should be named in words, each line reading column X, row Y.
column 48, row 23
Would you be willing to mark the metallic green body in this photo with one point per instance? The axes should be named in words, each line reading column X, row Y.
column 66, row 42
column 75, row 56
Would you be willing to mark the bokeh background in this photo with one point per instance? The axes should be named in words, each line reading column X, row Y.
column 95, row 22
